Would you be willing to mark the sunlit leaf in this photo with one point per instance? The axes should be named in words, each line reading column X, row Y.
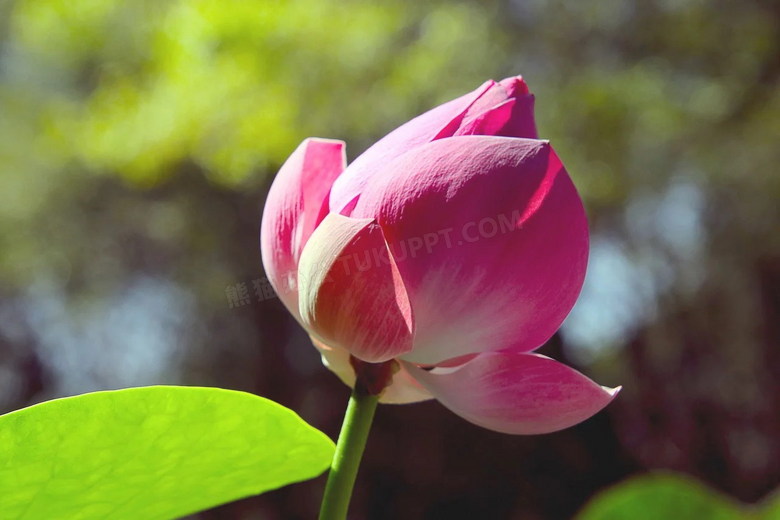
column 150, row 453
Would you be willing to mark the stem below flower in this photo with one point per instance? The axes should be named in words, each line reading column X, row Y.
column 349, row 451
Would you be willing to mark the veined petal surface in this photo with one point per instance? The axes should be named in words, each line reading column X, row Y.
column 516, row 392
column 294, row 208
column 490, row 238
column 351, row 295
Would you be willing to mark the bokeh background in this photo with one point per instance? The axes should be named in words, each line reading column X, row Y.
column 138, row 140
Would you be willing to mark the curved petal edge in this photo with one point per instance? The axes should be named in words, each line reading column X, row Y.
column 351, row 293
column 293, row 210
column 516, row 393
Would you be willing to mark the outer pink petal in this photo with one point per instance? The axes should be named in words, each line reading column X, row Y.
column 513, row 392
column 490, row 238
column 351, row 295
column 504, row 109
column 293, row 210
column 403, row 390
column 442, row 121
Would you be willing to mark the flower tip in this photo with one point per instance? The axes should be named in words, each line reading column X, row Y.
column 323, row 140
column 613, row 392
column 319, row 146
column 515, row 86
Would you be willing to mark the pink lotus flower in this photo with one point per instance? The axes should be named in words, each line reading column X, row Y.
column 456, row 245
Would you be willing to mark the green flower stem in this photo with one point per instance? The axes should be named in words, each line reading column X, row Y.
column 349, row 451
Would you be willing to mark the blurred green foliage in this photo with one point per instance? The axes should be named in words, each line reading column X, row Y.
column 141, row 89
column 666, row 495
column 138, row 87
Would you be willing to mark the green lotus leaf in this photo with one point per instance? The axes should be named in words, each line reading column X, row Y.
column 149, row 453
